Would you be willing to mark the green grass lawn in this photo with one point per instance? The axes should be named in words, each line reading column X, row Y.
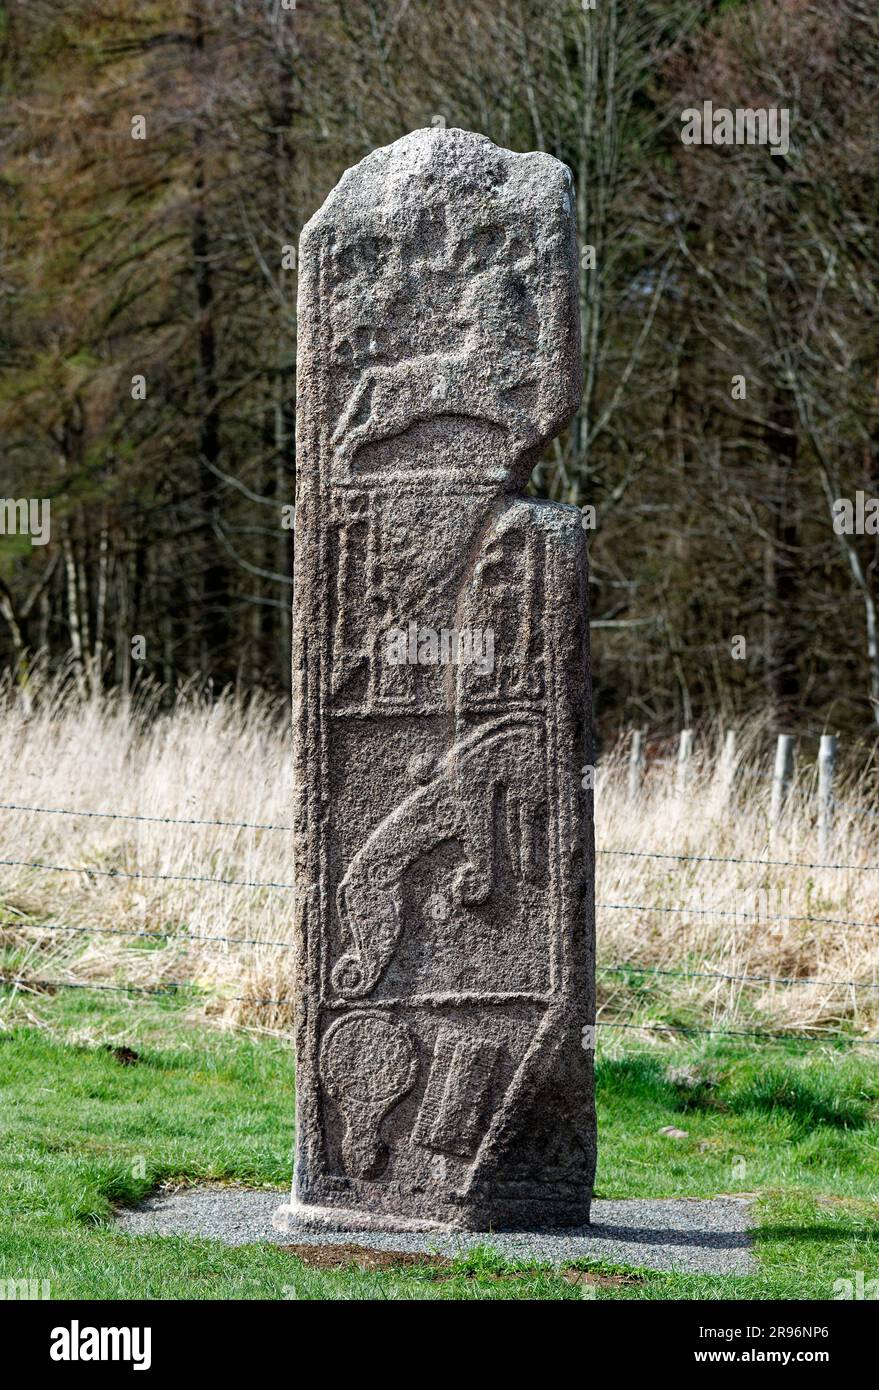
column 81, row 1130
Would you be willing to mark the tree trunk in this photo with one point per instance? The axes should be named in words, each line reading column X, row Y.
column 215, row 584
column 780, row 572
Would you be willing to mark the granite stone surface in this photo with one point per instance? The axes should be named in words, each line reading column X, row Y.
column 443, row 826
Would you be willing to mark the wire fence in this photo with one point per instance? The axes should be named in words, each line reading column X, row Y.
column 175, row 987
column 184, row 938
column 624, row 967
column 628, row 968
column 261, row 825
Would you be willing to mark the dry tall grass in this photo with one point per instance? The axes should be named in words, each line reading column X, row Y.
column 226, row 761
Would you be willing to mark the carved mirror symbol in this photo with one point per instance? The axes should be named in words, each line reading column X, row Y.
column 368, row 1064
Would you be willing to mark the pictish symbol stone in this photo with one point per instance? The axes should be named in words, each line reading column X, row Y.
column 446, row 948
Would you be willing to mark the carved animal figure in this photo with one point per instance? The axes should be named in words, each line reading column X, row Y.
column 457, row 804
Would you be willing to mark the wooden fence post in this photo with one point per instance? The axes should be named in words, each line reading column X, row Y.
column 826, row 771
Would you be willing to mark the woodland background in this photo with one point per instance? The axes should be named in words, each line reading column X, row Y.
column 164, row 257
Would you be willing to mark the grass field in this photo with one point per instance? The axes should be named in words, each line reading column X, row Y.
column 84, row 1125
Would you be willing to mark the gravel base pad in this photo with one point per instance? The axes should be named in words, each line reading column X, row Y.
column 691, row 1235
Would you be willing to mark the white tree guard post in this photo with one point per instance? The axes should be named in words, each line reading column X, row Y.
column 826, row 772
column 636, row 764
column 782, row 776
column 727, row 770
column 685, row 758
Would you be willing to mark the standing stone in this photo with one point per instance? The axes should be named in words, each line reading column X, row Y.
column 444, row 849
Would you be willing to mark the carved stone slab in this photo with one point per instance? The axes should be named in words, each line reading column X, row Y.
column 444, row 850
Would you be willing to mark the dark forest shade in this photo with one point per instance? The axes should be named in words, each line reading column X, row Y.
column 172, row 258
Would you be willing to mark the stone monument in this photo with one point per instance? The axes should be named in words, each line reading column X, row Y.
column 443, row 833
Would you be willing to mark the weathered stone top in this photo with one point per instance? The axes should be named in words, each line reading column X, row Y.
column 450, row 287
column 422, row 168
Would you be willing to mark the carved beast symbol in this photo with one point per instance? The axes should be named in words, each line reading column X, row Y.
column 458, row 804
column 485, row 378
column 389, row 400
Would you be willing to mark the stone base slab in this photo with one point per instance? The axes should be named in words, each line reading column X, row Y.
column 296, row 1216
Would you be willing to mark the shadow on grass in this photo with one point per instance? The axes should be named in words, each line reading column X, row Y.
column 811, row 1095
column 830, row 1234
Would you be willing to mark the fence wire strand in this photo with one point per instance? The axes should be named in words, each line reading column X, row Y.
column 734, row 912
column 165, row 878
column 153, row 820
column 731, row 859
column 182, row 938
column 740, row 1033
column 631, row 967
